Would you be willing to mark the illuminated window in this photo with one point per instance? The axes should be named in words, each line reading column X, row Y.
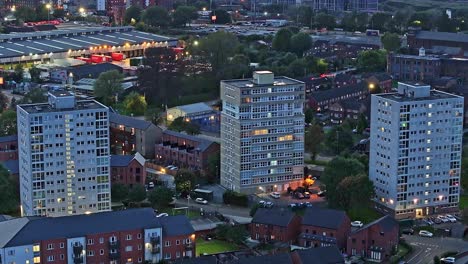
column 284, row 138
column 260, row 132
column 36, row 248
column 37, row 259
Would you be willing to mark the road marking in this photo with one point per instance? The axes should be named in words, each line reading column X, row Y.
column 409, row 260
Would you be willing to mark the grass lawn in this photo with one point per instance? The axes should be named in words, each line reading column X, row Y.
column 364, row 214
column 463, row 201
column 214, row 246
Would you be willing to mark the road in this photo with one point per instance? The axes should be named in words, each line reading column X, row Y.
column 426, row 248
column 211, row 207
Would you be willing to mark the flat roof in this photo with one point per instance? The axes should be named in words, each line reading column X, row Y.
column 62, row 40
column 406, row 56
column 248, row 83
column 47, row 108
column 353, row 39
column 434, row 95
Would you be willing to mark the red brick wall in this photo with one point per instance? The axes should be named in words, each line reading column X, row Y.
column 129, row 175
column 121, row 140
column 136, row 243
column 9, row 150
column 56, row 251
column 177, row 244
column 341, row 234
column 284, row 234
column 361, row 241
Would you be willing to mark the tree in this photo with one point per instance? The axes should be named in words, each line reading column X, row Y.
column 465, row 215
column 300, row 43
column 8, row 123
column 352, row 191
column 33, row 97
column 25, row 14
column 222, row 16
column 137, row 193
column 436, row 260
column 35, row 74
column 184, row 180
column 133, row 14
column 135, row 103
column 391, row 41
column 379, row 21
column 3, row 102
column 184, row 14
column 156, row 16
column 107, row 86
column 153, row 115
column 309, row 115
column 445, row 24
column 237, row 67
column 218, row 47
column 372, row 61
column 313, row 139
column 324, row 20
column 59, row 13
column 119, row 192
column 42, row 12
column 19, row 73
column 8, row 193
column 298, row 68
column 282, row 40
column 160, row 197
column 305, row 15
column 236, row 234
column 362, row 123
column 338, row 139
column 214, row 167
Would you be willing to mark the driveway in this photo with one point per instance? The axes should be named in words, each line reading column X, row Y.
column 425, row 248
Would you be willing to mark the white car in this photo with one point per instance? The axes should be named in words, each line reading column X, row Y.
column 443, row 219
column 170, row 167
column 201, row 201
column 425, row 233
column 151, row 185
column 448, row 260
column 275, row 195
column 162, row 215
column 357, row 224
column 451, row 218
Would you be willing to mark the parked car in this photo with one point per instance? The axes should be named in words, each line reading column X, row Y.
column 437, row 221
column 162, row 215
column 170, row 167
column 201, row 201
column 407, row 231
column 173, row 168
column 357, row 224
column 275, row 195
column 308, row 204
column 306, row 195
column 428, row 221
column 261, row 203
column 451, row 218
column 269, row 204
column 150, row 185
column 447, row 260
column 298, row 195
column 322, row 193
column 425, row 233
column 443, row 219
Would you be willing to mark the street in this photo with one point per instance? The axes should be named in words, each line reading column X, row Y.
column 425, row 248
column 212, row 207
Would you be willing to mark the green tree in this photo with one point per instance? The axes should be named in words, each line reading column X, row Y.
column 9, row 202
column 133, row 12
column 445, row 24
column 300, row 43
column 33, row 97
column 305, row 16
column 338, row 139
column 107, row 86
column 3, row 102
column 59, row 13
column 309, row 115
column 137, row 193
column 372, row 61
column 185, row 180
column 254, row 209
column 222, row 16
column 465, row 215
column 313, row 139
column 214, row 167
column 379, row 21
column 35, row 74
column 324, row 20
column 8, row 123
column 218, row 47
column 362, row 123
column 25, row 14
column 18, row 75
column 282, row 40
column 135, row 103
column 153, row 115
column 156, row 16
column 353, row 191
column 192, row 129
column 184, row 14
column 119, row 192
column 436, row 260
column 236, row 234
column 391, row 41
column 237, row 67
column 160, row 197
column 41, row 12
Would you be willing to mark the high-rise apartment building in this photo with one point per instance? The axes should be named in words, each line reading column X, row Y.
column 63, row 156
column 262, row 133
column 415, row 152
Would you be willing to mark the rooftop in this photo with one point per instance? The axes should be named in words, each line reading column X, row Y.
column 444, row 36
column 194, row 108
column 198, row 260
column 124, row 160
column 62, row 40
column 12, row 166
column 351, row 39
column 434, row 95
column 385, row 224
column 92, row 70
column 323, row 95
column 407, row 56
column 47, row 108
column 321, row 217
column 280, row 258
column 30, row 230
column 202, row 143
column 273, row 216
column 321, row 255
column 248, row 83
column 129, row 121
column 8, row 138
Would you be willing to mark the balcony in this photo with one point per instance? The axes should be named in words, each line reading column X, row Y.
column 155, row 250
column 155, row 240
column 78, row 259
column 114, row 255
column 77, row 249
column 189, row 246
column 114, row 244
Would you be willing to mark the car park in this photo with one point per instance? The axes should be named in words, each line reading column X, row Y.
column 447, row 260
column 407, row 231
column 201, row 201
column 275, row 195
column 443, row 219
column 269, row 204
column 298, row 195
column 357, row 224
column 451, row 218
column 261, row 203
column 425, row 233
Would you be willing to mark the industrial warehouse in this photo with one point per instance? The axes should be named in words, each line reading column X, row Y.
column 80, row 43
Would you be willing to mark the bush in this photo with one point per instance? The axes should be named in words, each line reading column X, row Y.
column 235, row 198
column 449, row 254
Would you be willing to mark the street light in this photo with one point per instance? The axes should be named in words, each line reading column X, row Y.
column 13, row 8
column 195, row 43
column 48, row 6
column 81, row 10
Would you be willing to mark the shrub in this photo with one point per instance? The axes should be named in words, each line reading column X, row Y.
column 235, row 198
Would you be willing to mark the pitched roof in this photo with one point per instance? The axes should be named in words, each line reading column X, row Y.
column 320, row 255
column 385, row 223
column 128, row 121
column 10, row 228
column 199, row 260
column 92, row 70
column 445, row 36
column 273, row 216
column 176, row 225
column 43, row 228
column 9, row 138
column 343, row 77
column 11, row 165
column 351, row 104
column 281, row 258
column 120, row 160
column 338, row 92
column 322, row 217
column 5, row 217
column 194, row 108
column 202, row 143
column 380, row 76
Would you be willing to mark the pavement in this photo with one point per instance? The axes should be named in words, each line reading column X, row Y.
column 425, row 248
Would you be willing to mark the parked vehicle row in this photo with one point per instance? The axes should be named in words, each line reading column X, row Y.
column 266, row 204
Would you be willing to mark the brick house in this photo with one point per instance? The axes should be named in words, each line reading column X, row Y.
column 374, row 241
column 321, row 100
column 275, row 224
column 128, row 169
column 129, row 135
column 321, row 255
column 379, row 79
column 324, row 227
column 125, row 236
column 185, row 151
column 348, row 109
column 433, row 41
column 9, row 148
column 344, row 79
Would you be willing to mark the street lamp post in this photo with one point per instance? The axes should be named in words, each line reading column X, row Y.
column 82, row 10
column 48, row 6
